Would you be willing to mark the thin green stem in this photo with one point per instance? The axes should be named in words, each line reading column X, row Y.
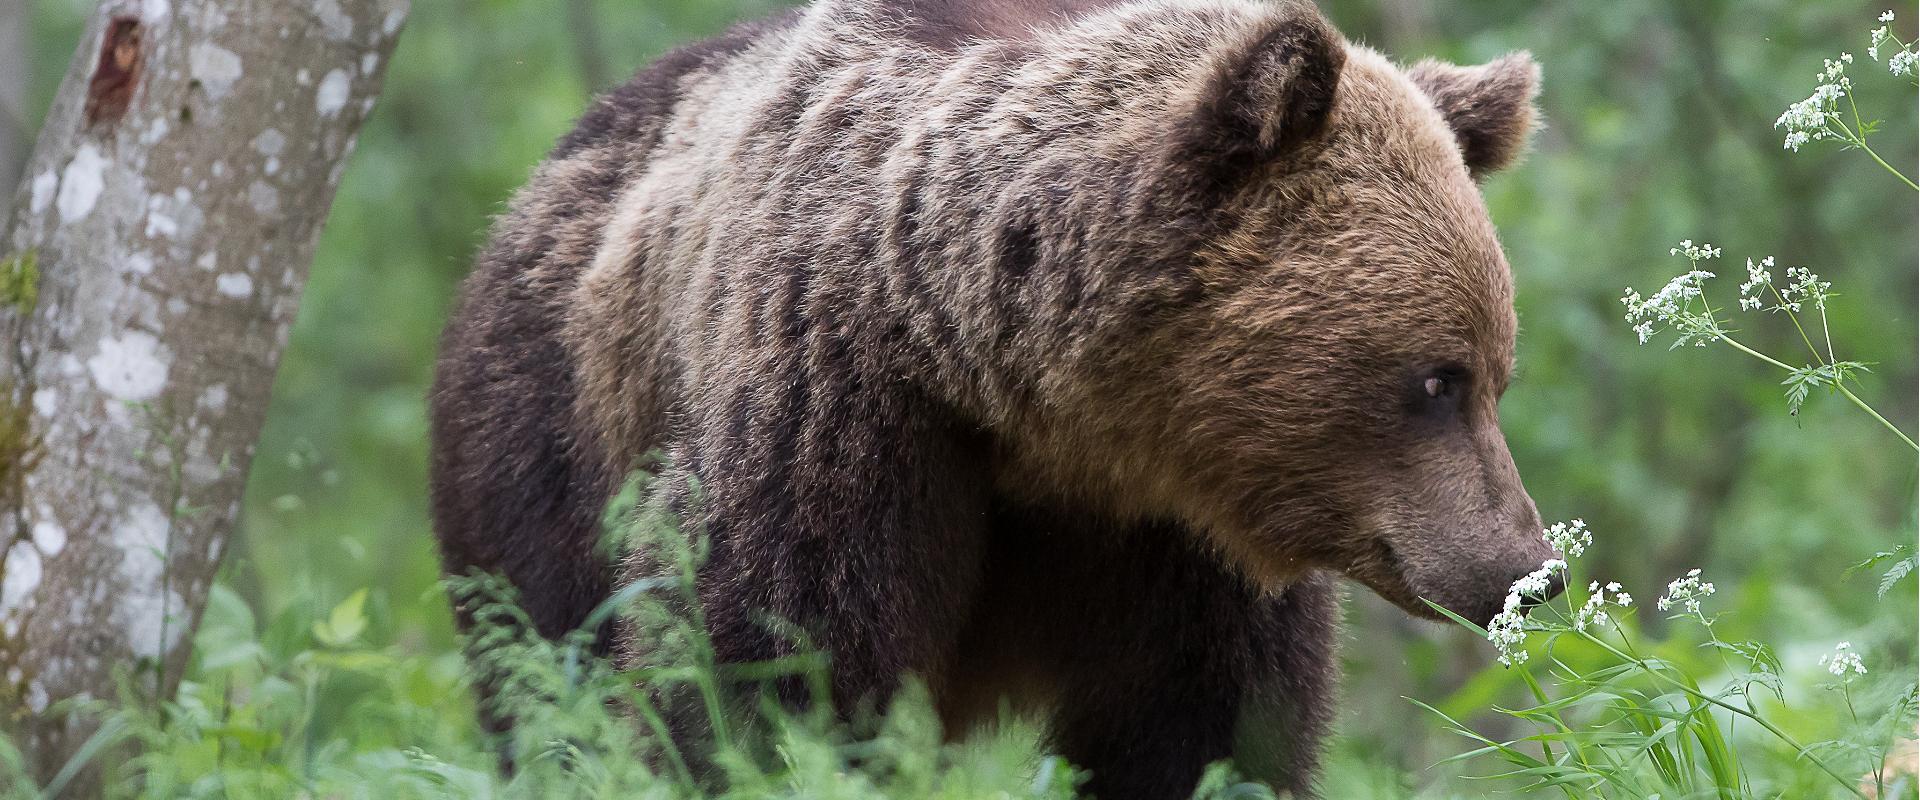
column 1879, row 759
column 1828, row 333
column 1896, row 173
column 1876, row 415
column 1795, row 318
column 1860, row 141
column 1757, row 354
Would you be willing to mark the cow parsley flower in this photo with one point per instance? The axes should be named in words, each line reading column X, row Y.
column 1808, row 119
column 1594, row 613
column 1901, row 61
column 1680, row 305
column 1843, row 660
column 1759, row 277
column 1804, row 287
column 1570, row 538
column 1507, row 630
column 1685, row 591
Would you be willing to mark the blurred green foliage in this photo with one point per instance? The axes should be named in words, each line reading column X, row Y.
column 1657, row 119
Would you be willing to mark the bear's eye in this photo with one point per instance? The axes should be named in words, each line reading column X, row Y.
column 1437, row 391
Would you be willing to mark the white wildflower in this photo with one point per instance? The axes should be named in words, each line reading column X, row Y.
column 1594, row 613
column 1759, row 277
column 1507, row 630
column 1903, row 62
column 1886, row 16
column 1804, row 286
column 1686, row 591
column 1809, row 119
column 1570, row 538
column 1843, row 660
column 1680, row 304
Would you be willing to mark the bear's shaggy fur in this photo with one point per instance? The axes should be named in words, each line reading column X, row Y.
column 1056, row 352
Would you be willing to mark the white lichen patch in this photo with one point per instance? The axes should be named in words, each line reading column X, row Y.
column 155, row 131
column 237, row 285
column 140, row 263
column 23, row 575
column 155, row 620
column 208, row 261
column 44, row 186
column 332, row 94
column 369, row 63
column 215, row 67
column 46, row 401
column 270, row 142
column 336, row 23
column 264, row 198
column 393, row 21
column 173, row 217
column 49, row 538
column 156, row 12
column 214, row 399
column 81, row 185
column 140, row 537
column 132, row 367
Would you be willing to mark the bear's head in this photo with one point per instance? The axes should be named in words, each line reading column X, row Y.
column 1321, row 391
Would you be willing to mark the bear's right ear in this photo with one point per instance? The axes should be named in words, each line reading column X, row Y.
column 1270, row 94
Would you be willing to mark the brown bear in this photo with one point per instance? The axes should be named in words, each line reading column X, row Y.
column 1059, row 352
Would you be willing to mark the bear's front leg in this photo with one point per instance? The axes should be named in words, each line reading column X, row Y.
column 857, row 516
column 1154, row 658
column 1210, row 669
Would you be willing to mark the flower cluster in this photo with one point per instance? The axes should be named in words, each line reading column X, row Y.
column 1814, row 118
column 1843, row 660
column 1902, row 60
column 1695, row 252
column 1680, row 305
column 1805, row 287
column 1507, row 630
column 1759, row 276
column 1569, row 538
column 1594, row 613
column 1686, row 591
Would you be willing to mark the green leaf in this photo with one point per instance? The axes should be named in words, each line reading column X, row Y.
column 345, row 623
column 1900, row 569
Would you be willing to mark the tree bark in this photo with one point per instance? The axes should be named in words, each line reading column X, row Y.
column 155, row 256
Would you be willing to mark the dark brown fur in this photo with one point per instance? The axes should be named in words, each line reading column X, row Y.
column 1056, row 352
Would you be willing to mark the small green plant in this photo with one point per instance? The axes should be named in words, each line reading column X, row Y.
column 1614, row 718
column 310, row 706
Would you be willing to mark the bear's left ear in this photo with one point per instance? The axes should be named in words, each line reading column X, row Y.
column 1489, row 106
column 1268, row 94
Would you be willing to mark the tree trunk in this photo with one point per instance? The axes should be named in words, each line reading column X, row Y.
column 156, row 254
column 14, row 86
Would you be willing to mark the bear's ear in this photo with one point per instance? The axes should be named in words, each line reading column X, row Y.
column 1270, row 94
column 1489, row 106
